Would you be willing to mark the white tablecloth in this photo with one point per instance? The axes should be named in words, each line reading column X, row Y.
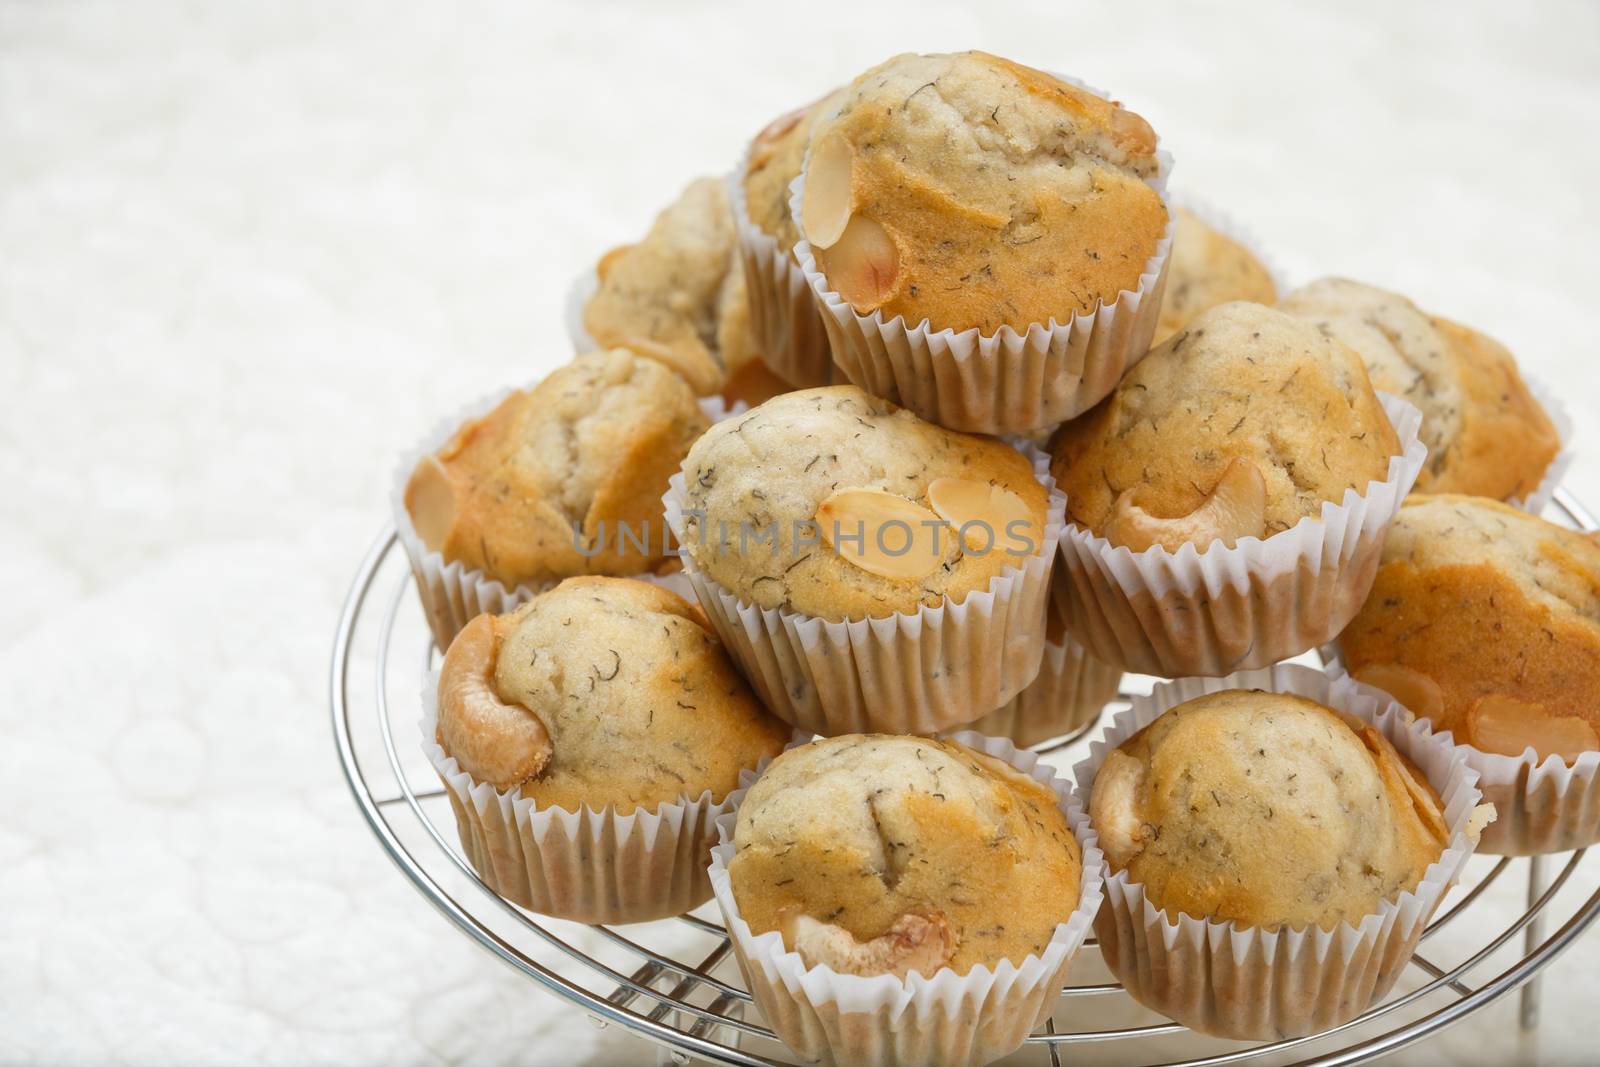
column 248, row 252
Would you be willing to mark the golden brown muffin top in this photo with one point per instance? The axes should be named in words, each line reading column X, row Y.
column 678, row 295
column 602, row 691
column 774, row 162
column 1486, row 620
column 1266, row 809
column 825, row 471
column 1486, row 435
column 882, row 854
column 974, row 192
column 595, row 442
column 1241, row 425
column 1207, row 268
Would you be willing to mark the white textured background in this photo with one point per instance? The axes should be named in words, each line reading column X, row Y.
column 248, row 252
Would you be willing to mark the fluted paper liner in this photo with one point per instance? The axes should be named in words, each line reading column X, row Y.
column 1069, row 693
column 1544, row 805
column 1537, row 500
column 1250, row 983
column 783, row 311
column 452, row 593
column 1009, row 381
column 1183, row 613
column 946, row 1020
column 590, row 865
column 918, row 672
column 584, row 285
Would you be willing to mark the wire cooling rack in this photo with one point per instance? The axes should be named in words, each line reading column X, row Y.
column 674, row 982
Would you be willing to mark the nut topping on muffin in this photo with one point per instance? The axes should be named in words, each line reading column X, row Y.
column 1235, row 508
column 917, row 941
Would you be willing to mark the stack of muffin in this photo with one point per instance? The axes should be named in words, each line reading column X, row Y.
column 883, row 460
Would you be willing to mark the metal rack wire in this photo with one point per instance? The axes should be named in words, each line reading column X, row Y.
column 673, row 982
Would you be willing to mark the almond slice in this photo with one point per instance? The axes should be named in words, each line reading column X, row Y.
column 882, row 533
column 829, row 197
column 1423, row 798
column 431, row 501
column 863, row 265
column 980, row 512
column 1115, row 805
column 1235, row 508
column 1419, row 693
column 1505, row 725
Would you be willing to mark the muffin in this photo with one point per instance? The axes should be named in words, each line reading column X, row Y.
column 607, row 697
column 1208, row 268
column 1275, row 843
column 782, row 308
column 989, row 205
column 1485, row 432
column 753, row 384
column 1486, row 620
column 679, row 294
column 823, row 509
column 1210, row 496
column 1311, row 821
column 1068, row 695
column 559, row 480
column 874, row 864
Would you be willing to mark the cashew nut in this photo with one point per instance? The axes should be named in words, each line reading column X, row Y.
column 918, row 941
column 1235, row 508
column 495, row 742
column 1114, row 803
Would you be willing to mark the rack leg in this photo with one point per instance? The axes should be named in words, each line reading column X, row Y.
column 1532, row 937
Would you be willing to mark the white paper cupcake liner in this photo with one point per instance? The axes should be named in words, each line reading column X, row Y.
column 453, row 594
column 946, row 1020
column 589, row 865
column 1069, row 693
column 910, row 673
column 783, row 311
column 1544, row 805
column 1542, row 493
column 1007, row 381
column 1251, row 983
column 579, row 293
column 1230, row 227
column 1187, row 612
